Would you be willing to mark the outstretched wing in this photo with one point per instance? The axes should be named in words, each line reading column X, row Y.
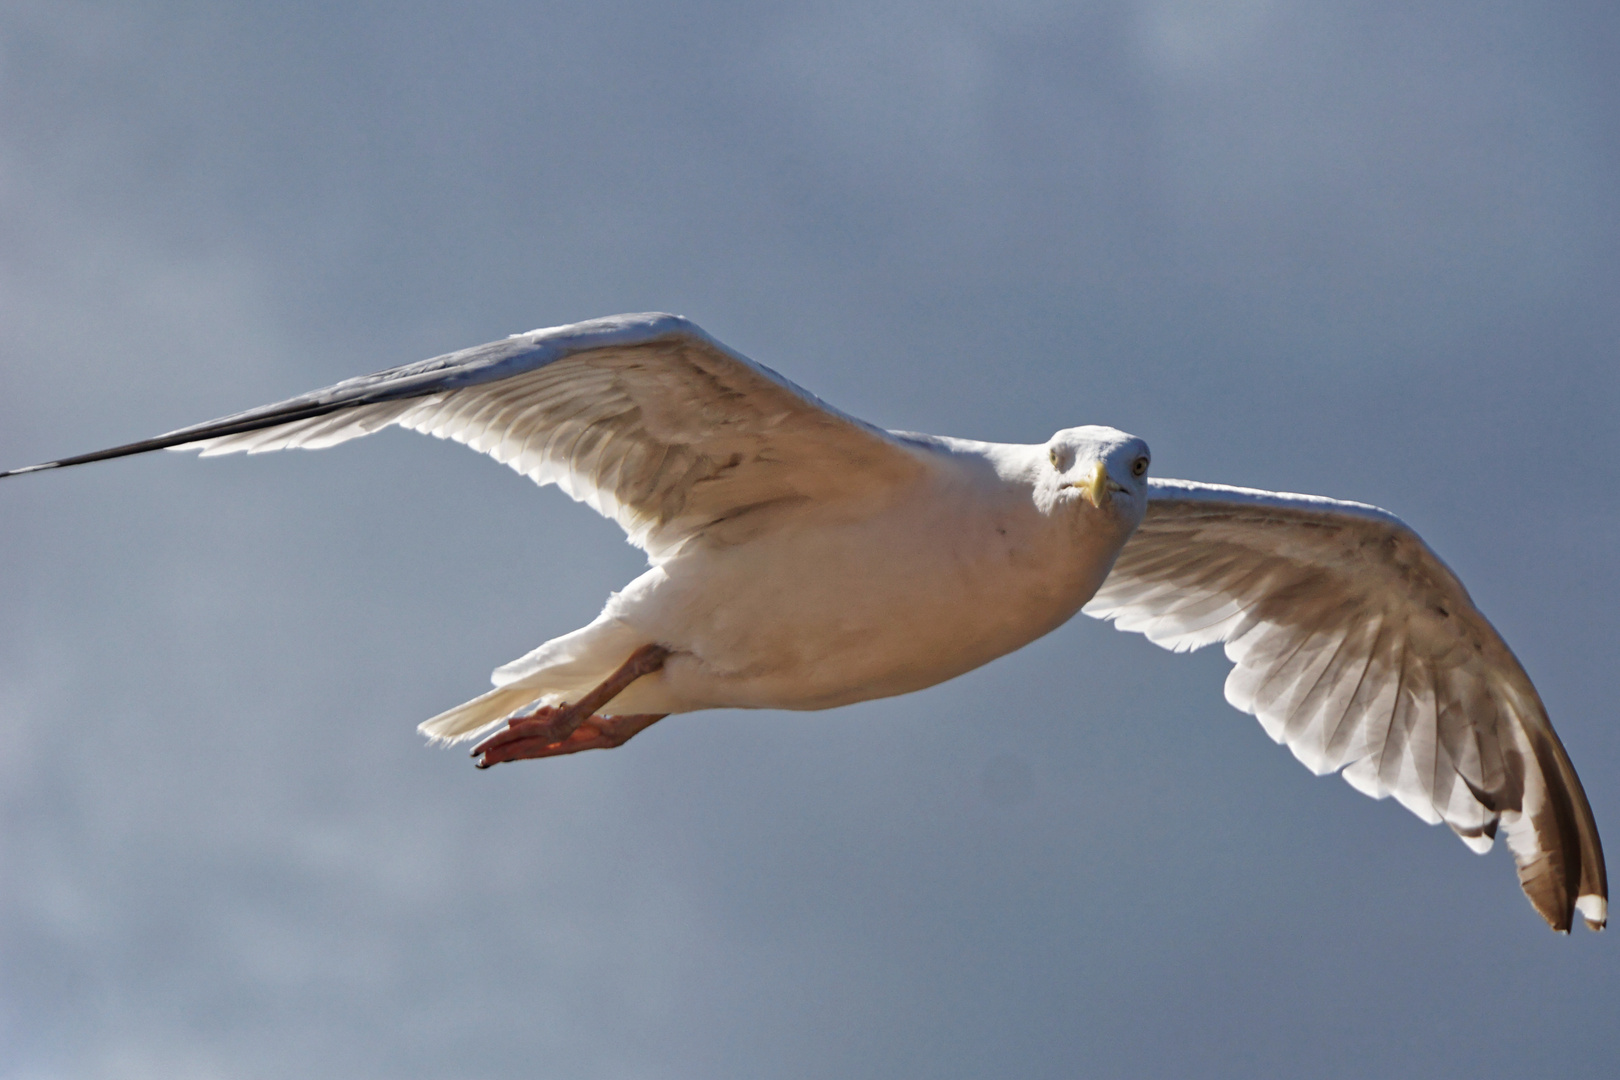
column 644, row 417
column 1359, row 649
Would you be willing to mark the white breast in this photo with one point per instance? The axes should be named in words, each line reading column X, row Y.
column 951, row 576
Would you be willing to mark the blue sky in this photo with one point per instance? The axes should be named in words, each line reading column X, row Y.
column 1366, row 251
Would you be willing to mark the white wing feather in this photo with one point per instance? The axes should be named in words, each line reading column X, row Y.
column 643, row 417
column 1357, row 648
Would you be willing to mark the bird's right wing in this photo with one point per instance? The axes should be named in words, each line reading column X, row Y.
column 644, row 417
column 1358, row 648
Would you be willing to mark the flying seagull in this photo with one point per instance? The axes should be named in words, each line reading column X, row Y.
column 803, row 559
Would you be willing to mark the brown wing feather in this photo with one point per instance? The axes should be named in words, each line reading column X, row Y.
column 1356, row 647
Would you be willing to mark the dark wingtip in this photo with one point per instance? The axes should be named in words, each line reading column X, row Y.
column 31, row 468
column 162, row 442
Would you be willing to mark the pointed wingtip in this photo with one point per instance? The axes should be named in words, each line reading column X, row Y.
column 31, row 468
column 1594, row 909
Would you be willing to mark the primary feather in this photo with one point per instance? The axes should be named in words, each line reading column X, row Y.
column 645, row 418
column 1358, row 649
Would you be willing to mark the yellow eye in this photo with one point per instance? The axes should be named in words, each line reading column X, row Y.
column 1055, row 463
column 1139, row 467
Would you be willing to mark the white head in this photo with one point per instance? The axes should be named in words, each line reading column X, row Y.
column 1096, row 471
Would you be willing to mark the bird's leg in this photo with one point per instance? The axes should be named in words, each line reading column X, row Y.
column 596, row 733
column 569, row 728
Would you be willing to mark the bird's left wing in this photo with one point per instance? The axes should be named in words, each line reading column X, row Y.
column 1358, row 648
column 644, row 417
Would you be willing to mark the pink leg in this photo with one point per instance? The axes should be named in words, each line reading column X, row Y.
column 597, row 733
column 567, row 729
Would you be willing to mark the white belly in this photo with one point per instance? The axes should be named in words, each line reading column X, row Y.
column 809, row 618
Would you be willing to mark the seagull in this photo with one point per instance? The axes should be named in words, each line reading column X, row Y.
column 800, row 558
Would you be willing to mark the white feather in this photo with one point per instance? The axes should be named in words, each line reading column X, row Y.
column 1355, row 646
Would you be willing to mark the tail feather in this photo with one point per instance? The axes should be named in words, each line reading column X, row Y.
column 560, row 670
column 471, row 717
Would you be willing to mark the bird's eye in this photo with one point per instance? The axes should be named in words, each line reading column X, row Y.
column 1054, row 456
column 1139, row 467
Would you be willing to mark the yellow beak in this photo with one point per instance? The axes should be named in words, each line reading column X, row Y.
column 1096, row 487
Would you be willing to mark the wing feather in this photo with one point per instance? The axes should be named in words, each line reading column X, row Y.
column 1357, row 648
column 643, row 417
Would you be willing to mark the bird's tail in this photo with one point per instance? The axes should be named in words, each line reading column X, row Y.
column 471, row 717
column 560, row 670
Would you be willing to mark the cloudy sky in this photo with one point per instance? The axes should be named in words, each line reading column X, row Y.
column 1367, row 250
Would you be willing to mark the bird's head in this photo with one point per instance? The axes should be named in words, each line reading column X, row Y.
column 1097, row 471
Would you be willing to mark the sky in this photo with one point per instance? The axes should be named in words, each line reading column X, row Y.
column 1365, row 250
